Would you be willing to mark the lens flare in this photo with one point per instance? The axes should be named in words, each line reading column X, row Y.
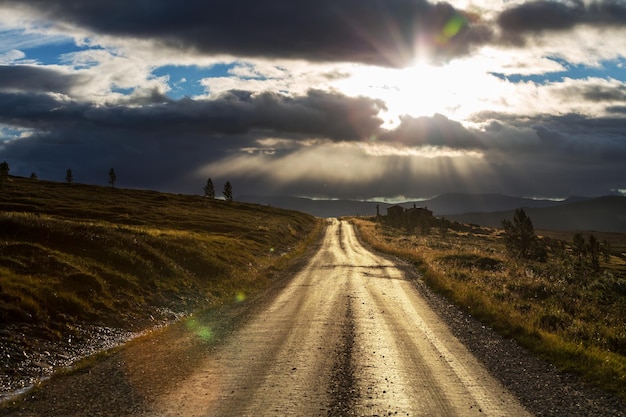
column 452, row 27
column 240, row 297
column 203, row 332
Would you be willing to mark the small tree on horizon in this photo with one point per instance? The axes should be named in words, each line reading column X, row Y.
column 228, row 191
column 209, row 189
column 112, row 177
column 33, row 176
column 69, row 177
column 4, row 169
column 4, row 172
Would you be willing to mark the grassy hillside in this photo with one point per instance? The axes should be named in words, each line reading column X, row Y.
column 561, row 309
column 72, row 254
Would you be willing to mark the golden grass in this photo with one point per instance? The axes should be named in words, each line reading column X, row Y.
column 85, row 254
column 566, row 313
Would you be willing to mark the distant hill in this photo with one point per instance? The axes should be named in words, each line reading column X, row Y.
column 575, row 213
column 442, row 205
column 456, row 203
column 319, row 208
column 603, row 214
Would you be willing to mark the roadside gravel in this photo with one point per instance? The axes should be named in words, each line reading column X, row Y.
column 539, row 386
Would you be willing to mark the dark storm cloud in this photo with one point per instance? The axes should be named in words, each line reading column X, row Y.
column 617, row 109
column 594, row 92
column 565, row 140
column 581, row 149
column 34, row 79
column 550, row 15
column 369, row 31
column 577, row 124
column 180, row 135
column 318, row 114
column 542, row 15
column 556, row 155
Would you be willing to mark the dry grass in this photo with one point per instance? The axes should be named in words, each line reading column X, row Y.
column 569, row 314
column 74, row 254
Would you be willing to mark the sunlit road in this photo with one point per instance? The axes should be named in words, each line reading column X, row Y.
column 348, row 336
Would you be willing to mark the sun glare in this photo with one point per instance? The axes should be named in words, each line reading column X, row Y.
column 455, row 90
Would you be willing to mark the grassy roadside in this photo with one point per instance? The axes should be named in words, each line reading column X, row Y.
column 562, row 311
column 72, row 254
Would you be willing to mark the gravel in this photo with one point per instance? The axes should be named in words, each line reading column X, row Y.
column 28, row 357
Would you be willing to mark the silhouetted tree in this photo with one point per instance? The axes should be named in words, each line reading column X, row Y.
column 4, row 169
column 112, row 177
column 33, row 176
column 69, row 177
column 228, row 191
column 209, row 189
column 4, row 172
column 520, row 238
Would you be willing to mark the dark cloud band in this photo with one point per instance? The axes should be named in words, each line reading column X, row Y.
column 36, row 79
column 370, row 31
column 317, row 114
column 550, row 15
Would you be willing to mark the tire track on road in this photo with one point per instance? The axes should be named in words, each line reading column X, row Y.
column 343, row 391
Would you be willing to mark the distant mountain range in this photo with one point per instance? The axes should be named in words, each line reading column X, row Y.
column 606, row 214
column 603, row 214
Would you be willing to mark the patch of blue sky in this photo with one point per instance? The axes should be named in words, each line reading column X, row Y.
column 8, row 133
column 52, row 54
column 124, row 91
column 33, row 44
column 185, row 80
column 615, row 69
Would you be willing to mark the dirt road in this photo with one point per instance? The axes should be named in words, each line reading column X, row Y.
column 348, row 336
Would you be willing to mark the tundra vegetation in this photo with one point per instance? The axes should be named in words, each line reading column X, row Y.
column 561, row 295
column 114, row 257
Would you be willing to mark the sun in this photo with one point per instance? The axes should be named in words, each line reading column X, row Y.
column 456, row 89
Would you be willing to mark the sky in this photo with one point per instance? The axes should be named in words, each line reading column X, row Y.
column 359, row 99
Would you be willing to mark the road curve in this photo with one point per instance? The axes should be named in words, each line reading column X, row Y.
column 348, row 336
